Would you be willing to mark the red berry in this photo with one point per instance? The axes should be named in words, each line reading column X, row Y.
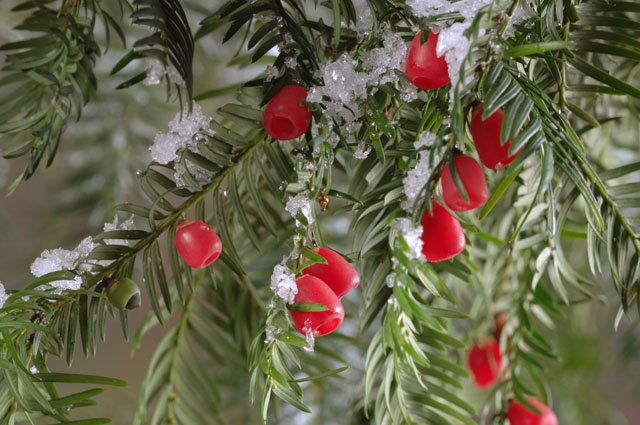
column 338, row 274
column 313, row 290
column 472, row 178
column 284, row 118
column 424, row 69
column 197, row 244
column 484, row 362
column 442, row 234
column 486, row 137
column 518, row 414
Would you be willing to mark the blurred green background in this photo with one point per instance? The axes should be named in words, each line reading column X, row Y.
column 595, row 382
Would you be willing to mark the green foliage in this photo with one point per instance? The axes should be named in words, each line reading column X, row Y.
column 50, row 75
column 416, row 318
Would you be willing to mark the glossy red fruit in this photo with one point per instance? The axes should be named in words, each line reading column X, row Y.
column 442, row 234
column 484, row 362
column 338, row 274
column 486, row 137
column 284, row 118
column 423, row 68
column 472, row 177
column 197, row 244
column 313, row 290
column 518, row 414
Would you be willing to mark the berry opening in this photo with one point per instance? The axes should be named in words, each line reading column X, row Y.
column 212, row 258
column 327, row 327
column 282, row 125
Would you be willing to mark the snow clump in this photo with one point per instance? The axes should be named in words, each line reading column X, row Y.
column 62, row 259
column 300, row 203
column 417, row 177
column 411, row 235
column 114, row 225
column 283, row 283
column 185, row 131
column 156, row 71
column 3, row 295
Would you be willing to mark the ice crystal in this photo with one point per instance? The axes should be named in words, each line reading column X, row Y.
column 175, row 77
column 291, row 62
column 429, row 8
column 408, row 93
column 393, row 302
column 271, row 73
column 283, row 283
column 183, row 129
column 300, row 203
column 309, row 336
column 348, row 82
column 3, row 295
column 156, row 71
column 62, row 259
column 454, row 45
column 364, row 22
column 418, row 176
column 362, row 151
column 519, row 15
column 390, row 280
column 271, row 332
column 114, row 225
column 411, row 235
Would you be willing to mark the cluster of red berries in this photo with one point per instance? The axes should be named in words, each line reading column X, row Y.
column 324, row 284
column 442, row 234
column 197, row 244
column 484, row 361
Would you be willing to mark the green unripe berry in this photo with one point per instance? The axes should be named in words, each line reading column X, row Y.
column 123, row 293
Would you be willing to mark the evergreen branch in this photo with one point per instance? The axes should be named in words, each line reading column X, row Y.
column 169, row 48
column 51, row 75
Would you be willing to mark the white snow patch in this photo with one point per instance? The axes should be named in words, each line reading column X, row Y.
column 182, row 131
column 114, row 225
column 519, row 15
column 362, row 151
column 412, row 236
column 62, row 259
column 283, row 283
column 185, row 131
column 417, row 177
column 309, row 336
column 3, row 295
column 390, row 280
column 300, row 203
column 156, row 71
column 271, row 73
column 364, row 22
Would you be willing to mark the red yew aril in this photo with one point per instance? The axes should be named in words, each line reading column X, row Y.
column 423, row 68
column 484, row 362
column 197, row 244
column 518, row 414
column 284, row 118
column 338, row 274
column 472, row 177
column 442, row 234
column 486, row 137
column 318, row 323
